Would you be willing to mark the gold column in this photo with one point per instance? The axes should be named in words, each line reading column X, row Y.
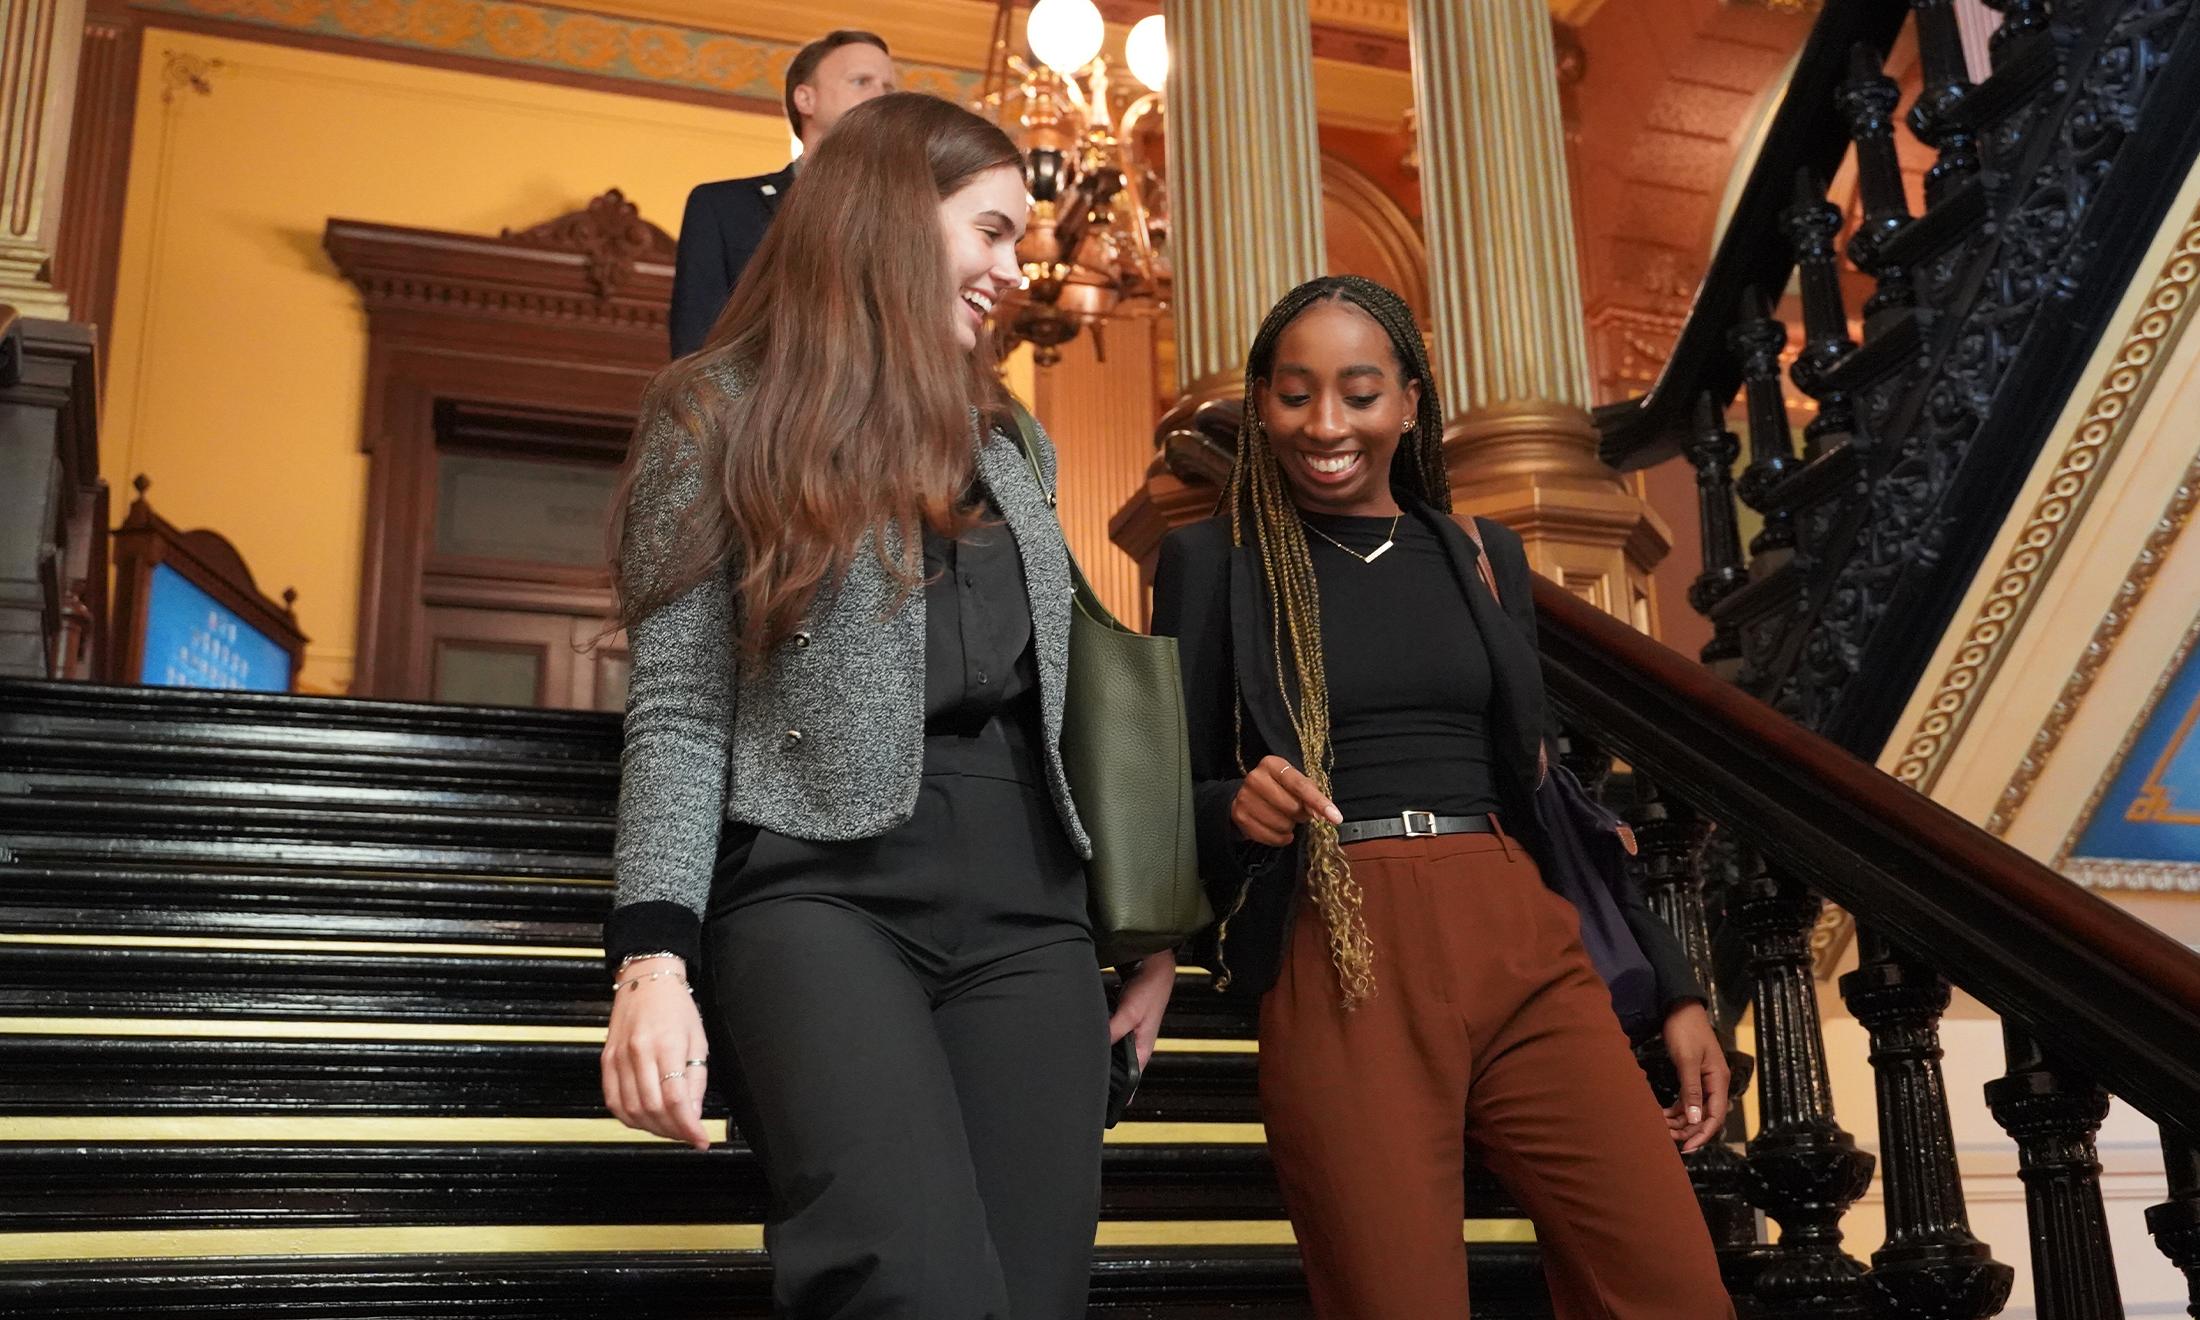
column 39, row 42
column 1245, row 196
column 1511, row 352
column 1245, row 216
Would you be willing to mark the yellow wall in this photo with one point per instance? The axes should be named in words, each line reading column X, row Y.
column 239, row 355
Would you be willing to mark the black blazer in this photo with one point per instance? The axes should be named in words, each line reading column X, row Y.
column 724, row 223
column 1209, row 596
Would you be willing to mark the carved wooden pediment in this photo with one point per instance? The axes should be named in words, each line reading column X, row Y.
column 603, row 266
column 609, row 232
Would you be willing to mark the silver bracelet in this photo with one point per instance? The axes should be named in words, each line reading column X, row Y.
column 653, row 953
column 633, row 981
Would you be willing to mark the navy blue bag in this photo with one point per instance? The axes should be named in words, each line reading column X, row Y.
column 1584, row 861
column 1585, row 852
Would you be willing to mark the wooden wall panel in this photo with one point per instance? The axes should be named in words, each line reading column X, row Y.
column 1101, row 415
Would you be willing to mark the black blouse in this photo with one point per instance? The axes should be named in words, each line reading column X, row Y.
column 978, row 656
column 1409, row 678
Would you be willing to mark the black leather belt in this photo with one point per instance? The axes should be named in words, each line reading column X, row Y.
column 1412, row 825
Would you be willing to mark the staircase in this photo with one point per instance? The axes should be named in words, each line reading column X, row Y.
column 2053, row 177
column 300, row 1004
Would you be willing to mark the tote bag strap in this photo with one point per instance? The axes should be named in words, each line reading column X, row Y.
column 1482, row 557
column 1489, row 579
column 1088, row 600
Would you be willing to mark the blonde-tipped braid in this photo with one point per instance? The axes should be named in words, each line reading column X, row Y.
column 1263, row 515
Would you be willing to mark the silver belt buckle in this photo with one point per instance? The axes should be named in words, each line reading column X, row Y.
column 1408, row 818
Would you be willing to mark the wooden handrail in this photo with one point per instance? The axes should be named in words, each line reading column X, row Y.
column 2101, row 988
column 1807, row 132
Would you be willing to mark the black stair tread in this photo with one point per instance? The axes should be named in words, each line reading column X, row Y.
column 352, row 723
column 80, row 896
column 139, row 755
column 50, row 812
column 74, row 1187
column 1129, row 1283
column 104, row 980
column 63, row 1075
column 518, row 853
column 155, row 786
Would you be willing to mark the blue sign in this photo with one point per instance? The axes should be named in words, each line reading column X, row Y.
column 2151, row 811
column 195, row 641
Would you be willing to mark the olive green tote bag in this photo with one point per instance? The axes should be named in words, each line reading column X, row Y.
column 1130, row 772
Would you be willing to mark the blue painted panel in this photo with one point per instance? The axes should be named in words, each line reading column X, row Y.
column 2151, row 811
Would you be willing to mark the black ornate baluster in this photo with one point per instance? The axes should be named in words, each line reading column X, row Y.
column 1868, row 100
column 1757, row 340
column 2020, row 19
column 1931, row 1265
column 1937, row 116
column 2052, row 1112
column 1811, row 223
column 2175, row 1223
column 1713, row 449
column 1672, row 836
column 1804, row 1170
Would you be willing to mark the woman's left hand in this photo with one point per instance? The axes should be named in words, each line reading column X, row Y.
column 1145, row 995
column 1700, row 1112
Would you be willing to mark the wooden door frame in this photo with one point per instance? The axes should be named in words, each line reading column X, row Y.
column 566, row 319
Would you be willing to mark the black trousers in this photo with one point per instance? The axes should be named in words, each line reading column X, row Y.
column 920, row 1040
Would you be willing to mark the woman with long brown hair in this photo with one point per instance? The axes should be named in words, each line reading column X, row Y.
column 843, row 806
column 1367, row 725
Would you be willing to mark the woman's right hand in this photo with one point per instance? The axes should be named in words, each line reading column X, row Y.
column 655, row 1031
column 1272, row 801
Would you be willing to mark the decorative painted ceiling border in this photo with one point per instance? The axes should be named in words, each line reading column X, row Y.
column 2117, row 401
column 546, row 39
column 2167, row 528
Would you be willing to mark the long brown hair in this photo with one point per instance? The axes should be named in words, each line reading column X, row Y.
column 850, row 419
column 1263, row 514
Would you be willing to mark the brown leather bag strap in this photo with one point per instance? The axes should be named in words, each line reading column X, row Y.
column 1482, row 558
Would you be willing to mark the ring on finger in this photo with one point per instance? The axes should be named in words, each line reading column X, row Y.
column 697, row 1063
column 673, row 1076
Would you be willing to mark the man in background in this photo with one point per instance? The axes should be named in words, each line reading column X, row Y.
column 726, row 220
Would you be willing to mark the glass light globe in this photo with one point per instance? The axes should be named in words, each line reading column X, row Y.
column 1146, row 50
column 1065, row 34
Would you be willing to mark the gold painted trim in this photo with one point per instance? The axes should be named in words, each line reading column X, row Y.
column 2135, row 876
column 265, row 1129
column 2118, row 399
column 263, row 1029
column 392, row 1240
column 402, row 1129
column 484, row 1239
column 2137, row 582
column 303, row 946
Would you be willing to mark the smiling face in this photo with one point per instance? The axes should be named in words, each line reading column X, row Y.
column 1334, row 405
column 982, row 222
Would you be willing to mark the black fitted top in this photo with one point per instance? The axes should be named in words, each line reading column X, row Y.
column 978, row 658
column 1409, row 679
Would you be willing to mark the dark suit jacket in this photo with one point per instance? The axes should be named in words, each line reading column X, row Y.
column 1208, row 595
column 725, row 222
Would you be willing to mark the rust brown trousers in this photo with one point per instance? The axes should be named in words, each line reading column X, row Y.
column 1488, row 1010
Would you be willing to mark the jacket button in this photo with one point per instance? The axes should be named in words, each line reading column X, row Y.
column 791, row 739
column 800, row 639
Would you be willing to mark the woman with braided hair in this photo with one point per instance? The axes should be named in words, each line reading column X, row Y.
column 1367, row 730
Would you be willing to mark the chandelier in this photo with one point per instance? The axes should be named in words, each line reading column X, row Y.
column 1094, row 151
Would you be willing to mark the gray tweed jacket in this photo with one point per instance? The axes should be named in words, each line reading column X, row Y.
column 822, row 739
